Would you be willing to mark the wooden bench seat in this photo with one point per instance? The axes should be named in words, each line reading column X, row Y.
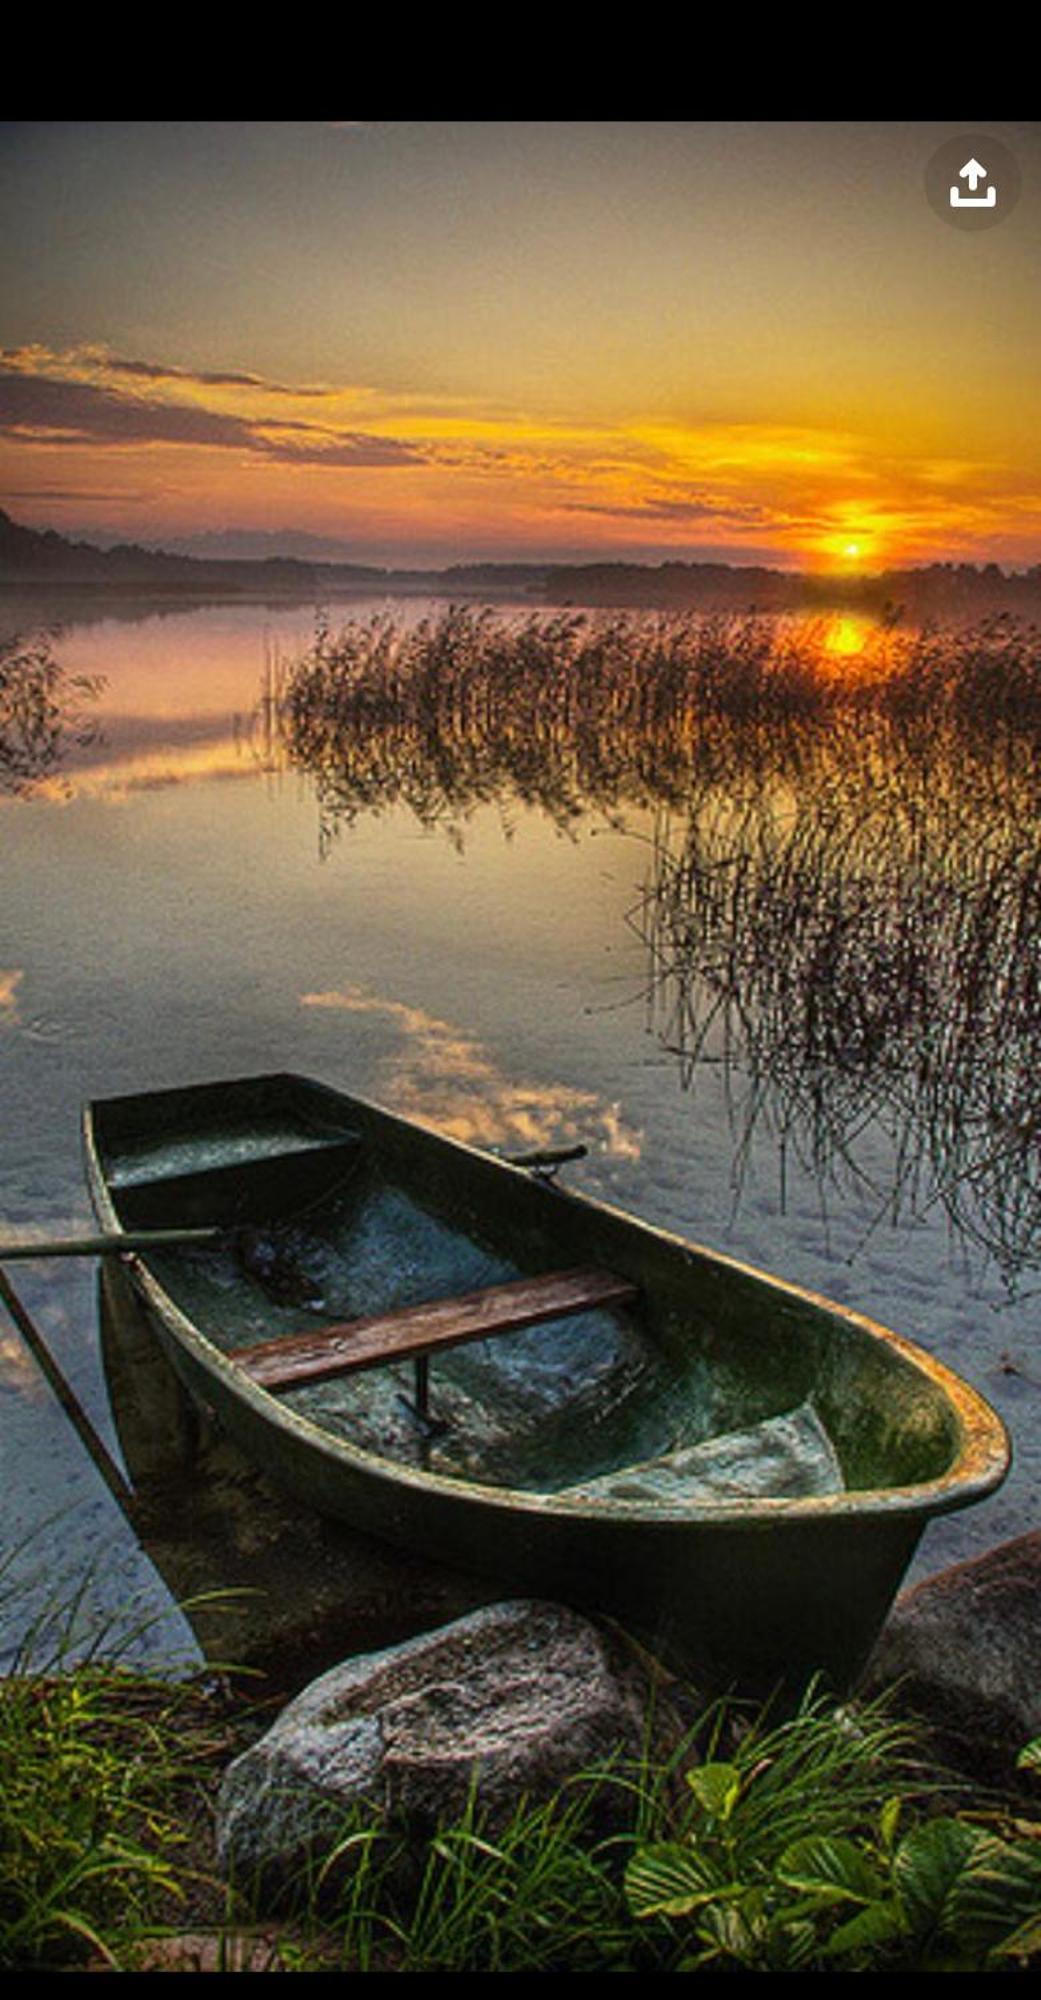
column 415, row 1332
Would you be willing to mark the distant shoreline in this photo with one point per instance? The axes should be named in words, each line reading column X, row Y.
column 46, row 562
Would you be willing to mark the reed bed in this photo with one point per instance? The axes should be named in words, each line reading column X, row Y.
column 563, row 712
column 844, row 898
column 574, row 710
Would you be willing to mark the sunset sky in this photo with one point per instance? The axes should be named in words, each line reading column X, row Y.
column 427, row 342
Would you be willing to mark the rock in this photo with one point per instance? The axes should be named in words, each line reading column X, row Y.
column 207, row 1951
column 964, row 1646
column 511, row 1700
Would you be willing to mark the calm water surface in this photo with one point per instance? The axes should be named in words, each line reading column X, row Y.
column 172, row 914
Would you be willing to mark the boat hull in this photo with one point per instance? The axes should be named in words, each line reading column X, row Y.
column 746, row 1592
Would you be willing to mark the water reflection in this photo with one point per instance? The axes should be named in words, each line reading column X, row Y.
column 844, row 899
column 444, row 1077
column 10, row 980
column 263, row 1582
column 127, row 770
column 860, row 950
column 44, row 713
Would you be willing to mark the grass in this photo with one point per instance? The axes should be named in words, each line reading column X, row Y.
column 99, row 1777
column 755, row 1844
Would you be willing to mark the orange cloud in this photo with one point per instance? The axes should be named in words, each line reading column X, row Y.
column 221, row 446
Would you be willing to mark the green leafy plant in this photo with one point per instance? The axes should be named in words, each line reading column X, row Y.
column 823, row 1841
column 788, row 1862
column 1029, row 1758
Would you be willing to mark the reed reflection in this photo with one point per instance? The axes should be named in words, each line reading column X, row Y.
column 860, row 949
column 568, row 713
column 44, row 713
column 844, row 898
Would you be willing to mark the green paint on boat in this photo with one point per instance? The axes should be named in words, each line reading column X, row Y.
column 735, row 1467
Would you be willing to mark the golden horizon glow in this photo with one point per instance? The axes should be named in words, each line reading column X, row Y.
column 461, row 478
column 518, row 342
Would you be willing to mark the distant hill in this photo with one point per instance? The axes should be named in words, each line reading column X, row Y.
column 41, row 556
column 32, row 555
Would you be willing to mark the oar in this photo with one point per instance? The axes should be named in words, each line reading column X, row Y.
column 68, row 1399
column 109, row 1244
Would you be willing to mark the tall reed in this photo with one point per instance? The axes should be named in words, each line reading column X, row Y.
column 845, row 896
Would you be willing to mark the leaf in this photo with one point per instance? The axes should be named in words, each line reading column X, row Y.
column 737, row 1931
column 1023, row 1943
column 716, row 1788
column 871, row 1930
column 670, row 1881
column 928, row 1865
column 997, row 1895
column 800, row 1944
column 830, row 1868
column 1029, row 1758
column 889, row 1820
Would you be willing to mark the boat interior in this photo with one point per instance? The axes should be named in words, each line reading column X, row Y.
column 425, row 1303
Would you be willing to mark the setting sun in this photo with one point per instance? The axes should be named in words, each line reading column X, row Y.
column 870, row 543
column 511, row 341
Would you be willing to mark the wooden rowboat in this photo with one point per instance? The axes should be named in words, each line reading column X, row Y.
column 460, row 1355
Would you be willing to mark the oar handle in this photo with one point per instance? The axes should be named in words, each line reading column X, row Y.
column 549, row 1158
column 109, row 1244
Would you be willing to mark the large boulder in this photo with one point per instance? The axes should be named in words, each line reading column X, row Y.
column 965, row 1646
column 504, row 1704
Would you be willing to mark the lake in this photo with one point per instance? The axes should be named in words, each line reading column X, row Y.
column 180, row 902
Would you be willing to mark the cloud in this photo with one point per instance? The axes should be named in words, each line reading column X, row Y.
column 702, row 508
column 80, row 495
column 50, row 408
column 350, row 448
column 494, row 475
column 87, row 360
column 444, row 1076
column 161, row 371
column 9, row 983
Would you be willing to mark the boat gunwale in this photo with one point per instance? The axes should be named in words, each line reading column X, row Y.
column 980, row 1464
